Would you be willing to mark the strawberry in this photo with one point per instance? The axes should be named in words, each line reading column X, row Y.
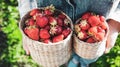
column 49, row 10
column 34, row 11
column 41, row 21
column 32, row 32
column 90, row 40
column 52, row 21
column 77, row 28
column 56, row 30
column 86, row 16
column 103, row 25
column 47, row 27
column 38, row 14
column 99, row 29
column 99, row 36
column 82, row 35
column 59, row 30
column 62, row 16
column 102, row 18
column 66, row 32
column 47, row 41
column 59, row 21
column 29, row 22
column 58, row 38
column 94, row 20
column 44, row 34
column 92, row 31
column 84, row 25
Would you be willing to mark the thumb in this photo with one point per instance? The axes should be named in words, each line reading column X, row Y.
column 25, row 47
column 111, row 39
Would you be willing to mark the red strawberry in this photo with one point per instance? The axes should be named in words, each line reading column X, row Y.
column 77, row 28
column 59, row 21
column 48, row 12
column 47, row 27
column 94, row 20
column 34, row 11
column 59, row 30
column 90, row 40
column 99, row 36
column 47, row 41
column 32, row 32
column 66, row 32
column 93, row 30
column 56, row 30
column 29, row 22
column 82, row 35
column 99, row 29
column 41, row 21
column 38, row 14
column 44, row 34
column 52, row 21
column 58, row 38
column 103, row 25
column 86, row 16
column 84, row 25
column 102, row 18
column 62, row 16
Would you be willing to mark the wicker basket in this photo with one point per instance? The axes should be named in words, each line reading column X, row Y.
column 48, row 55
column 89, row 50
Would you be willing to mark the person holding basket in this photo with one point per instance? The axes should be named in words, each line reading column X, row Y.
column 110, row 9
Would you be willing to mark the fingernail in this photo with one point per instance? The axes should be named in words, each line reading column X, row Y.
column 107, row 50
column 27, row 53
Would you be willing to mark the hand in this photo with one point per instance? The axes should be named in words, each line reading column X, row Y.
column 114, row 28
column 25, row 47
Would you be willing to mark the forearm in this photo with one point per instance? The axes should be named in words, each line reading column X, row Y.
column 114, row 24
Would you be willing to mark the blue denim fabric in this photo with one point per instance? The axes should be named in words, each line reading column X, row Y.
column 73, row 8
column 77, row 59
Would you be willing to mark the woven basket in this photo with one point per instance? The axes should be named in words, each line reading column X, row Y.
column 48, row 55
column 89, row 50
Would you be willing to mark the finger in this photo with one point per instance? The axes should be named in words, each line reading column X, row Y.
column 26, row 49
column 112, row 36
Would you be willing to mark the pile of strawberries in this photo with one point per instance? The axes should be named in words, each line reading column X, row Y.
column 47, row 25
column 91, row 28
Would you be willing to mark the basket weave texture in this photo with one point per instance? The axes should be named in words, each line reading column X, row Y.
column 89, row 50
column 48, row 55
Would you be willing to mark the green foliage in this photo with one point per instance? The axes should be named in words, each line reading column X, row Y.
column 112, row 59
column 11, row 51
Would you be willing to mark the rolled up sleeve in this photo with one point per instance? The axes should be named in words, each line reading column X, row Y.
column 115, row 13
column 26, row 5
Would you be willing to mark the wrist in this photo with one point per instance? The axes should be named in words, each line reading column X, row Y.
column 114, row 24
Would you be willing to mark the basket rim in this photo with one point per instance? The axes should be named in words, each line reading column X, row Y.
column 70, row 35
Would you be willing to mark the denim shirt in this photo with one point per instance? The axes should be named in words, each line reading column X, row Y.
column 73, row 8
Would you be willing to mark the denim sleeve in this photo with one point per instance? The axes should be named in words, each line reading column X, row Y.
column 26, row 5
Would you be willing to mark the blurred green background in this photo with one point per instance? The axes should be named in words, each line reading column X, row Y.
column 11, row 51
